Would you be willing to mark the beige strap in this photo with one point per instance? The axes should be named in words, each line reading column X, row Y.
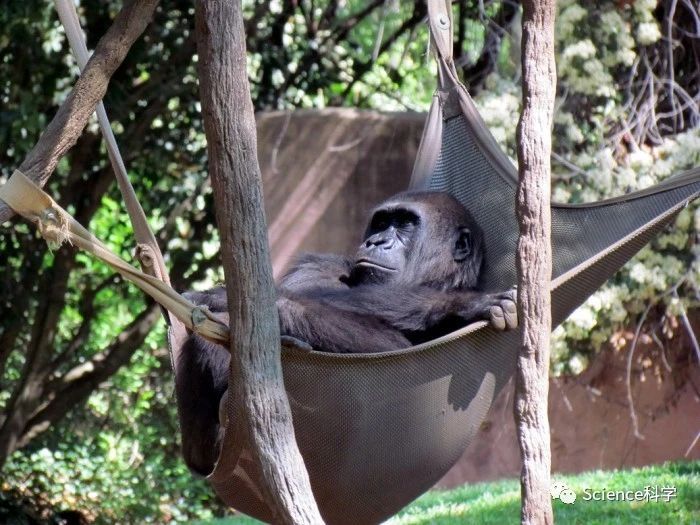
column 58, row 226
column 440, row 21
column 148, row 251
column 441, row 29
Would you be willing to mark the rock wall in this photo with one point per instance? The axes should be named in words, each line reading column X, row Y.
column 324, row 170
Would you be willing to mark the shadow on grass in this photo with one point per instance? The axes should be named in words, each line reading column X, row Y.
column 496, row 503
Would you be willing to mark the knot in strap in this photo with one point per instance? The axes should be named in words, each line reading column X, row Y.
column 144, row 253
column 199, row 315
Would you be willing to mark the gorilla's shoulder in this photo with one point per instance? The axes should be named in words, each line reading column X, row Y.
column 214, row 298
column 315, row 270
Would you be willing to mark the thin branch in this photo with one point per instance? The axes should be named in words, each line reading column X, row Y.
column 688, row 327
column 692, row 445
column 628, row 375
column 74, row 387
column 363, row 67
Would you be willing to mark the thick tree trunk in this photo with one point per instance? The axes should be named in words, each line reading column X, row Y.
column 263, row 411
column 535, row 259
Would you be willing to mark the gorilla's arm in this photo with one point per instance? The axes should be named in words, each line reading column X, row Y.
column 322, row 325
column 419, row 309
column 214, row 299
column 331, row 329
column 200, row 381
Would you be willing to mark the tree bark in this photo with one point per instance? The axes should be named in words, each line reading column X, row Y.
column 534, row 260
column 70, row 120
column 262, row 407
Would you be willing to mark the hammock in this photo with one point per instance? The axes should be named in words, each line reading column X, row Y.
column 377, row 430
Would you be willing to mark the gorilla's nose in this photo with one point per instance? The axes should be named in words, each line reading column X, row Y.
column 376, row 241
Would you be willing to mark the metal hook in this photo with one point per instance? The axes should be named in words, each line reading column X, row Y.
column 443, row 21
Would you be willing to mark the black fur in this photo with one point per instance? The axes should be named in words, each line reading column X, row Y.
column 413, row 279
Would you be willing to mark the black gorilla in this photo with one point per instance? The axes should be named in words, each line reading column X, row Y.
column 413, row 279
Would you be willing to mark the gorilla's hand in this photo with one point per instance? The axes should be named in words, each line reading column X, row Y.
column 503, row 312
column 497, row 308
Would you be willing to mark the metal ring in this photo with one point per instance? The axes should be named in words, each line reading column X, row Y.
column 443, row 21
column 198, row 315
column 49, row 215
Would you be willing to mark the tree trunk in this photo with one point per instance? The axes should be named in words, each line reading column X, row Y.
column 262, row 407
column 534, row 259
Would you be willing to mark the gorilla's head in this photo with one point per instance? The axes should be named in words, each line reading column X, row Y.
column 420, row 238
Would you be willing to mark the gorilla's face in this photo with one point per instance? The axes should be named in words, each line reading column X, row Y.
column 425, row 238
column 384, row 254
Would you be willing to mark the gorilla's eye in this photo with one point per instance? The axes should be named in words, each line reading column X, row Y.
column 380, row 224
column 398, row 219
column 404, row 219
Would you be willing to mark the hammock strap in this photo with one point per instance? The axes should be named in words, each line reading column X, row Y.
column 57, row 226
column 440, row 22
column 441, row 39
column 147, row 251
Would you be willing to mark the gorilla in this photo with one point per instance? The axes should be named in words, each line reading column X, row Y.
column 414, row 278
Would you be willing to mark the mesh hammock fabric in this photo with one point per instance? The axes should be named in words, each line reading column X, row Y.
column 377, row 430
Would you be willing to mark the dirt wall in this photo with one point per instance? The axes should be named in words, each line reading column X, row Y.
column 324, row 170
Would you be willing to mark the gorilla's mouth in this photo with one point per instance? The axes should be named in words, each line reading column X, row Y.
column 371, row 264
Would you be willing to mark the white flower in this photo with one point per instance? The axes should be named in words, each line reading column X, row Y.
column 639, row 273
column 648, row 33
column 644, row 6
column 582, row 49
column 572, row 14
column 561, row 194
column 645, row 181
column 640, row 159
column 626, row 177
column 626, row 57
column 683, row 219
column 577, row 364
column 583, row 317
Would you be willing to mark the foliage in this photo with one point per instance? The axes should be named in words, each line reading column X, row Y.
column 607, row 142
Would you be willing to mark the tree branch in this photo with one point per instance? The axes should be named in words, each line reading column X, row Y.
column 75, row 386
column 68, row 123
column 360, row 69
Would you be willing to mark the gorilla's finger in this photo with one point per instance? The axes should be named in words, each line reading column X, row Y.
column 288, row 340
column 497, row 318
column 510, row 313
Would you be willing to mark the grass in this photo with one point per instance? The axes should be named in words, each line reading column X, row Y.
column 498, row 503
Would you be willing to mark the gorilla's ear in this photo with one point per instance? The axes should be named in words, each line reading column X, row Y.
column 464, row 245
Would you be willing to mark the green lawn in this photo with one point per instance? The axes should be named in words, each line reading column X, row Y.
column 498, row 503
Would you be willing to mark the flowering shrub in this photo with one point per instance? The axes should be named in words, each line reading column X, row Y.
column 596, row 51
